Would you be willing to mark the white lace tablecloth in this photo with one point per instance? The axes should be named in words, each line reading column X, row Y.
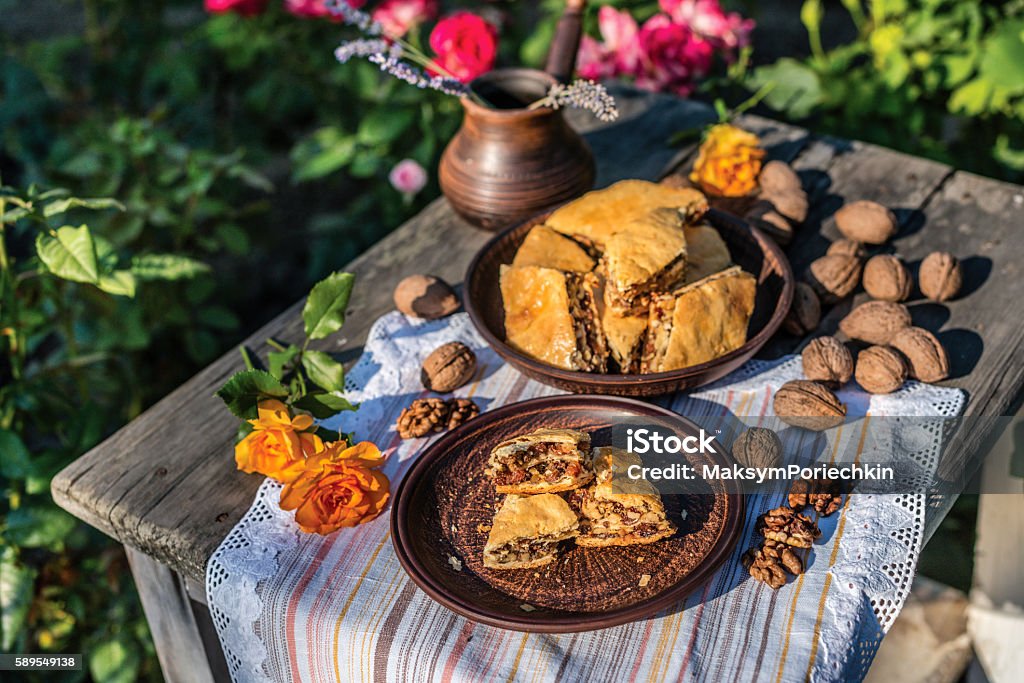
column 295, row 607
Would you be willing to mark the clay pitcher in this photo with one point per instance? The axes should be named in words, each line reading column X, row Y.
column 508, row 163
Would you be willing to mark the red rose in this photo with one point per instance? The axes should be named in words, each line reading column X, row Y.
column 466, row 45
column 672, row 56
column 247, row 8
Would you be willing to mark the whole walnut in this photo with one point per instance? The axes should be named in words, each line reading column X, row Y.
column 807, row 404
column 793, row 205
column 881, row 369
column 940, row 277
column 805, row 311
column 925, row 355
column 758, row 447
column 875, row 322
column 763, row 216
column 866, row 221
column 778, row 177
column 834, row 277
column 886, row 278
column 846, row 247
column 448, row 367
column 826, row 359
column 425, row 296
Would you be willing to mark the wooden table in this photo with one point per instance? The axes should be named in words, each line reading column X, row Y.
column 166, row 485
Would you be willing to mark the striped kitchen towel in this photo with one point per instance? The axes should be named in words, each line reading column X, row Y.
column 295, row 607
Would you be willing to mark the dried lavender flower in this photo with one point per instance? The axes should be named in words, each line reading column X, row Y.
column 363, row 47
column 581, row 94
column 353, row 17
column 391, row 64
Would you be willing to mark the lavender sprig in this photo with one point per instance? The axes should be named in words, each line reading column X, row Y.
column 391, row 64
column 362, row 47
column 354, row 17
column 580, row 94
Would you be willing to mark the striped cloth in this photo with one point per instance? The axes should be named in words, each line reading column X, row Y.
column 296, row 607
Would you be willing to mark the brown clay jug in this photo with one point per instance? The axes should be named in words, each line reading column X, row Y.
column 508, row 163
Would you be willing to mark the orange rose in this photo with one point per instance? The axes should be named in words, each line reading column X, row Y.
column 339, row 487
column 729, row 162
column 279, row 443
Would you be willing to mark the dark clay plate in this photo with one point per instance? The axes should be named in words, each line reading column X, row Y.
column 445, row 504
column 750, row 248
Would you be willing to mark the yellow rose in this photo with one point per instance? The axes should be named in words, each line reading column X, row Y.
column 339, row 487
column 278, row 444
column 729, row 162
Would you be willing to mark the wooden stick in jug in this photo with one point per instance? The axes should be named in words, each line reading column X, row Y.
column 566, row 44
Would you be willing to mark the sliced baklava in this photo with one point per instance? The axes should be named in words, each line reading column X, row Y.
column 546, row 461
column 625, row 336
column 526, row 531
column 699, row 322
column 647, row 255
column 552, row 316
column 596, row 216
column 544, row 247
column 607, row 516
column 706, row 252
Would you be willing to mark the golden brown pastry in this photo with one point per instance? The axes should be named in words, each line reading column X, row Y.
column 526, row 531
column 546, row 248
column 608, row 517
column 706, row 252
column 648, row 254
column 699, row 322
column 546, row 461
column 552, row 316
column 625, row 338
column 596, row 216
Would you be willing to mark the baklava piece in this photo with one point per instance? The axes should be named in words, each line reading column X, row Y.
column 546, row 461
column 526, row 531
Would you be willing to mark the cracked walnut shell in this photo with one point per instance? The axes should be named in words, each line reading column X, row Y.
column 826, row 359
column 926, row 357
column 805, row 311
column 835, row 276
column 809, row 405
column 875, row 322
column 940, row 277
column 886, row 278
column 846, row 247
column 448, row 367
column 425, row 296
column 881, row 369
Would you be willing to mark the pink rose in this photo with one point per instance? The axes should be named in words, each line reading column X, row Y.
column 466, row 45
column 398, row 17
column 246, row 8
column 408, row 177
column 618, row 55
column 710, row 21
column 673, row 56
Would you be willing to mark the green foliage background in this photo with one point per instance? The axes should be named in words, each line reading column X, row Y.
column 246, row 165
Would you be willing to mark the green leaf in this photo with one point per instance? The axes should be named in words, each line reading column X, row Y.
column 62, row 205
column 114, row 662
column 971, row 98
column 1002, row 56
column 15, row 461
column 323, row 370
column 324, row 312
column 167, row 267
column 17, row 583
column 323, row 406
column 246, row 389
column 797, row 88
column 810, row 16
column 384, row 125
column 118, row 283
column 70, row 253
column 1007, row 155
column 324, row 152
column 276, row 360
column 39, row 525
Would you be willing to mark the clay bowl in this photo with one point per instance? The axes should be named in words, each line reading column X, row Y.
column 750, row 248
column 445, row 503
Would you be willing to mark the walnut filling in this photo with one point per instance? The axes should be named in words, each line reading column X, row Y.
column 537, row 463
column 635, row 297
column 658, row 333
column 525, row 549
column 549, row 472
column 603, row 518
column 591, row 352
